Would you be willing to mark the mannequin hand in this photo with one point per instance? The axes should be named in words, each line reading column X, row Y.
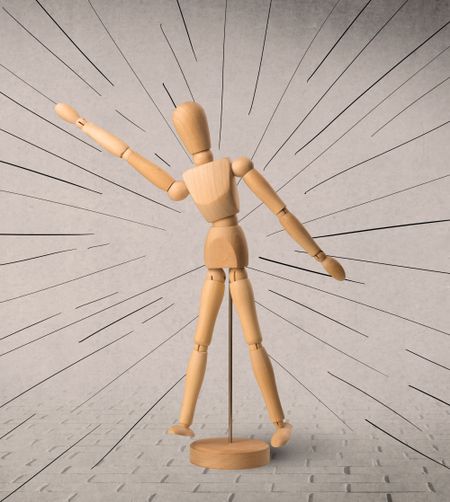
column 334, row 268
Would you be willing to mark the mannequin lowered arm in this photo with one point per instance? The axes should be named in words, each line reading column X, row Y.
column 243, row 167
column 156, row 175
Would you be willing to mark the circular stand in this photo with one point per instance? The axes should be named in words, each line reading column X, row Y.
column 219, row 453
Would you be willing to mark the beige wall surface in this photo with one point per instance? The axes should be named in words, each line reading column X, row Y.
column 90, row 252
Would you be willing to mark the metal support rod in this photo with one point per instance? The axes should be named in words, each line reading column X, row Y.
column 230, row 364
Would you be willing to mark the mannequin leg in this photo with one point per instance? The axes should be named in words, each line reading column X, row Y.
column 242, row 295
column 211, row 298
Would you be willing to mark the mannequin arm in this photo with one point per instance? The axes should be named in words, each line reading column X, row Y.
column 261, row 188
column 176, row 189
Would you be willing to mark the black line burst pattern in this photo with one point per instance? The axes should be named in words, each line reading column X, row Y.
column 313, row 90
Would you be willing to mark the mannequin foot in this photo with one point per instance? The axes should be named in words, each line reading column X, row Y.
column 281, row 435
column 180, row 430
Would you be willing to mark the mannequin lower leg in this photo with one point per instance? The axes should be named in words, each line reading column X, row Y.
column 194, row 379
column 242, row 294
column 262, row 368
column 211, row 298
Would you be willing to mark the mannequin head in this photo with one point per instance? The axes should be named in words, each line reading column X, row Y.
column 191, row 125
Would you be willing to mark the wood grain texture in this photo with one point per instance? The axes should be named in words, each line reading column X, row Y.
column 218, row 453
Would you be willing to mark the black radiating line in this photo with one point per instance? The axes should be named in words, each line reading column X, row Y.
column 34, row 340
column 222, row 74
column 406, row 444
column 88, row 171
column 348, row 130
column 311, row 392
column 142, row 417
column 73, row 43
column 93, row 314
column 138, row 79
column 371, row 86
column 319, row 313
column 135, row 295
column 99, row 245
column 375, row 399
column 351, row 300
column 51, row 52
column 50, row 176
column 178, row 63
column 154, row 287
column 250, row 212
column 65, row 326
column 430, row 395
column 304, row 269
column 375, row 199
column 338, row 40
column 167, row 281
column 28, row 84
column 158, row 313
column 292, row 77
column 383, row 263
column 160, row 158
column 130, row 121
column 63, row 369
column 133, row 365
column 362, row 118
column 294, row 266
column 262, row 55
column 409, row 106
column 51, row 462
column 382, row 228
column 119, row 319
column 30, row 325
column 187, row 31
column 96, row 300
column 48, row 121
column 377, row 156
column 335, row 82
column 426, row 359
column 275, row 232
column 36, row 257
column 320, row 339
column 72, row 280
column 168, row 93
column 42, row 235
column 18, row 425
column 72, row 323
column 83, row 209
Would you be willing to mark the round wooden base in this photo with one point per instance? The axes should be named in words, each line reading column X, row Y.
column 218, row 453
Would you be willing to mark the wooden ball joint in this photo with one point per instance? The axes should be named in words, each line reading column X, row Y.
column 211, row 184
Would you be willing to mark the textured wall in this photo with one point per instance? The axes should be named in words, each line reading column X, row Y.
column 87, row 245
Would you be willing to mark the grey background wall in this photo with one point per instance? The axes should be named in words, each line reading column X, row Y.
column 71, row 251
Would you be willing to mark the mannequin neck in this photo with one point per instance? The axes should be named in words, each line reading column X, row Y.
column 202, row 157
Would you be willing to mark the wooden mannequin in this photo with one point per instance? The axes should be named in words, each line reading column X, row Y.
column 211, row 183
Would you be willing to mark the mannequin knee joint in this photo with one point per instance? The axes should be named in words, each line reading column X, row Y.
column 237, row 274
column 200, row 348
column 216, row 274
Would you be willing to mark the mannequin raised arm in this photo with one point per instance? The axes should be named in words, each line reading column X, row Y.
column 159, row 177
column 243, row 167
